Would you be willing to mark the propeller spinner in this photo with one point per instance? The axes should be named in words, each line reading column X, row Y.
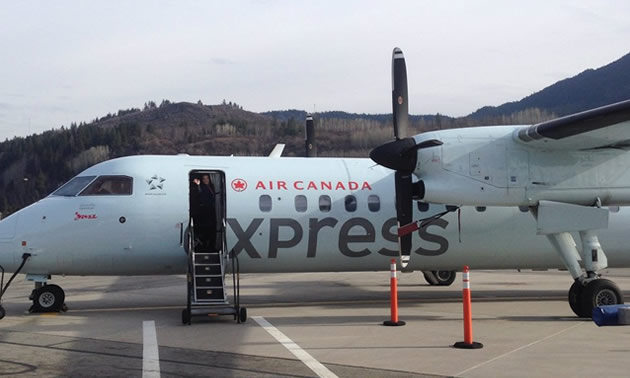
column 401, row 154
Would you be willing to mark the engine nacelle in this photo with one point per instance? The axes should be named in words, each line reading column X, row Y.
column 486, row 166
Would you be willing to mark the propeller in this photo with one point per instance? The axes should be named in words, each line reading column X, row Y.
column 401, row 154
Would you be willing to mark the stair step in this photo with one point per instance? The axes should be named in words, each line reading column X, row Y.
column 205, row 294
column 209, row 281
column 207, row 258
column 207, row 270
column 201, row 249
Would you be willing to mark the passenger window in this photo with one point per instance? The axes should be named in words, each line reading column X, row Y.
column 351, row 203
column 300, row 203
column 74, row 186
column 324, row 204
column 422, row 206
column 264, row 202
column 374, row 203
column 109, row 186
column 480, row 209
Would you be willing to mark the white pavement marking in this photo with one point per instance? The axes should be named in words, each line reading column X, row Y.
column 150, row 354
column 517, row 349
column 301, row 354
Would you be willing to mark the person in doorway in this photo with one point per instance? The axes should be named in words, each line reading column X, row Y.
column 204, row 210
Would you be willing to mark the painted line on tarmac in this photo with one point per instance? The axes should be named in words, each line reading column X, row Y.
column 301, row 354
column 518, row 349
column 339, row 303
column 150, row 354
column 114, row 309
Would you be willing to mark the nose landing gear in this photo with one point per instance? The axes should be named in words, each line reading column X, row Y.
column 48, row 298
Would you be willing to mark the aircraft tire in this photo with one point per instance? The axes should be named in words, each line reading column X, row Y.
column 575, row 297
column 2, row 312
column 242, row 315
column 445, row 277
column 48, row 298
column 599, row 292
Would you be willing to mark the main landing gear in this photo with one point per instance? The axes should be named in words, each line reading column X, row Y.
column 557, row 221
column 589, row 290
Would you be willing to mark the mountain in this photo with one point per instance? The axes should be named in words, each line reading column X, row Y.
column 587, row 90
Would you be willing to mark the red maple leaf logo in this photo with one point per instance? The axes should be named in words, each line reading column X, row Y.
column 239, row 185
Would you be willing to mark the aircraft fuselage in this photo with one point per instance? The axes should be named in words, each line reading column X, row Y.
column 343, row 220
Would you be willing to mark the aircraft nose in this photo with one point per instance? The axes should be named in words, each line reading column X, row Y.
column 8, row 227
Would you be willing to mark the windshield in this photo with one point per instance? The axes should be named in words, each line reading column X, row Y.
column 109, row 185
column 74, row 186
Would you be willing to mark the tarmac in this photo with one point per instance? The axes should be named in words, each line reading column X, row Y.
column 316, row 324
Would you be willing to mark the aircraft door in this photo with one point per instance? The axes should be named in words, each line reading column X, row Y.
column 207, row 208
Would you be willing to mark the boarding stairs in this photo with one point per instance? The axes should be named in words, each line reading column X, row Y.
column 207, row 292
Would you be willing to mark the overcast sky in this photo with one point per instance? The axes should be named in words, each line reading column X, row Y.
column 73, row 61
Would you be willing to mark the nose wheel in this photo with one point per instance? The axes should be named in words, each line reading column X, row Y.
column 48, row 298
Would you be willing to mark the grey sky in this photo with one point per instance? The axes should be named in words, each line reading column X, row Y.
column 67, row 61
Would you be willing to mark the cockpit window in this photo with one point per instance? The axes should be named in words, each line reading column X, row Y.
column 74, row 186
column 109, row 186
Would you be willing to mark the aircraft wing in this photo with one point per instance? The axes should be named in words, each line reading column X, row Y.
column 608, row 126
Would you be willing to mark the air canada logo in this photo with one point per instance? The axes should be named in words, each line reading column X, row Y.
column 155, row 182
column 239, row 185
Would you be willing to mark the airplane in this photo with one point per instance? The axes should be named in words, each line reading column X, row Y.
column 499, row 197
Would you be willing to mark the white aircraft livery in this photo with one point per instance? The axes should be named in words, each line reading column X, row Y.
column 500, row 197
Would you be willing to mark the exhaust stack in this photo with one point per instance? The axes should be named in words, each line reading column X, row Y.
column 309, row 137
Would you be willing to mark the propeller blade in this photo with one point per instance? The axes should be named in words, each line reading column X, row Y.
column 401, row 154
column 404, row 207
column 400, row 105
